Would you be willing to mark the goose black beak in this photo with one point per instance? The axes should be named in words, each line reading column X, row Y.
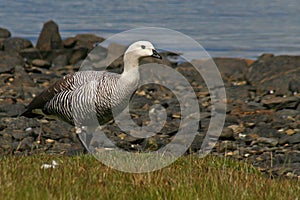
column 155, row 54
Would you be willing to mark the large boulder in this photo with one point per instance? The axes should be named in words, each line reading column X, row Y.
column 275, row 74
column 16, row 44
column 49, row 37
column 8, row 61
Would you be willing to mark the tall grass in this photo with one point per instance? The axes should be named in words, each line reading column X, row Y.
column 83, row 177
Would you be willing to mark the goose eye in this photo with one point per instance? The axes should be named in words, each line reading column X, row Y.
column 143, row 46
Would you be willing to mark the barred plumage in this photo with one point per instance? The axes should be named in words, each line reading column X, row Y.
column 77, row 98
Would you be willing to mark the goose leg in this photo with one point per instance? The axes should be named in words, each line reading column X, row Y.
column 85, row 137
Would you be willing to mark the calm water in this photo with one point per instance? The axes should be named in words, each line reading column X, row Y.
column 231, row 28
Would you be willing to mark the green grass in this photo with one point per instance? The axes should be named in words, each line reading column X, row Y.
column 83, row 177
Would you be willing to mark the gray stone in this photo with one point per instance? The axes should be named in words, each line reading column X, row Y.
column 26, row 143
column 5, row 68
column 290, row 139
column 78, row 54
column 51, row 55
column 70, row 42
column 41, row 63
column 59, row 62
column 20, row 135
column 232, row 69
column 30, row 54
column 275, row 102
column 49, row 37
column 294, row 86
column 11, row 110
column 16, row 44
column 22, row 79
column 265, row 130
column 274, row 73
column 1, row 44
column 285, row 113
column 268, row 141
column 9, row 60
column 87, row 40
column 227, row 134
column 4, row 33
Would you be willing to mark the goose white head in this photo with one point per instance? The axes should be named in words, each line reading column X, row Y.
column 136, row 51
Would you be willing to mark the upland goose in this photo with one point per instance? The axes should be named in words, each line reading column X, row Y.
column 77, row 97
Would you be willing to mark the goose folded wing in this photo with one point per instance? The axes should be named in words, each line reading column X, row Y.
column 38, row 103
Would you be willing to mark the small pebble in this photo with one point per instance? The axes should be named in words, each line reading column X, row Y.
column 28, row 129
column 50, row 141
column 290, row 132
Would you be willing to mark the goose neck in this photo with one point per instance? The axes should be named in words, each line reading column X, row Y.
column 130, row 62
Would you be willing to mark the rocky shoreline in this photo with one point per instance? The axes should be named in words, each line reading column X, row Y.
column 263, row 103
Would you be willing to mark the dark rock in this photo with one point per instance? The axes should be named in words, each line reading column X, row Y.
column 265, row 130
column 238, row 94
column 22, row 79
column 78, row 54
column 8, row 61
column 197, row 142
column 16, row 44
column 294, row 86
column 269, row 141
column 290, row 139
column 274, row 102
column 188, row 70
column 69, row 42
column 59, row 62
column 6, row 136
column 5, row 68
column 41, row 63
column 254, row 106
column 227, row 134
column 87, row 40
column 44, row 78
column 1, row 44
column 298, row 107
column 265, row 56
column 232, row 69
column 285, row 113
column 297, row 147
column 51, row 55
column 4, row 33
column 2, row 126
column 26, row 144
column 49, row 37
column 20, row 135
column 11, row 110
column 58, row 130
column 30, row 54
column 274, row 73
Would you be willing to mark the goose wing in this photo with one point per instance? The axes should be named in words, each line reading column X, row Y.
column 38, row 103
